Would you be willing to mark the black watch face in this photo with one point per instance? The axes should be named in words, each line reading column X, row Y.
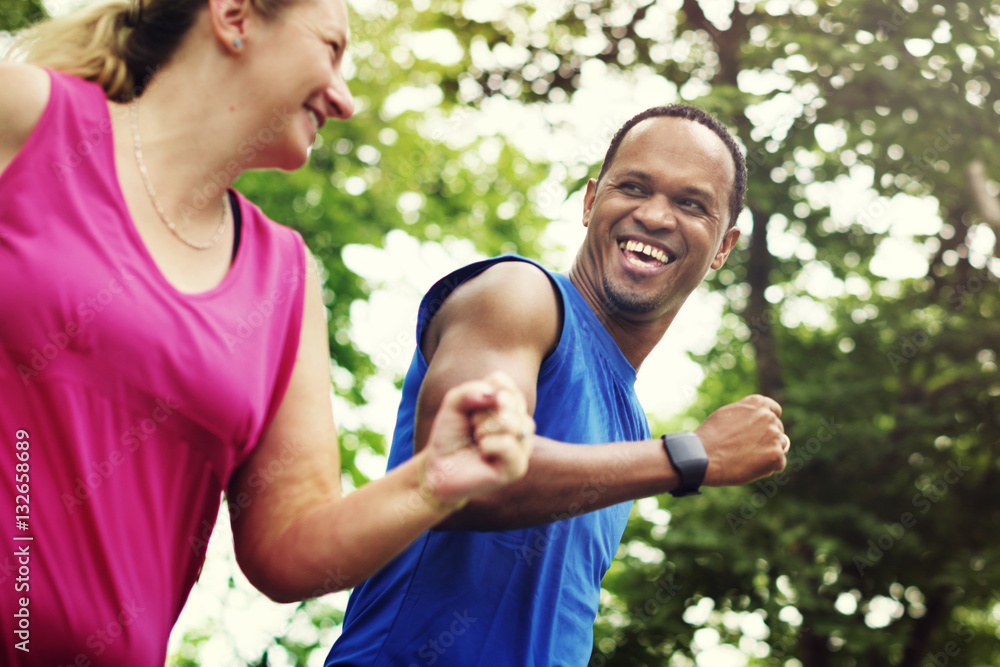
column 688, row 457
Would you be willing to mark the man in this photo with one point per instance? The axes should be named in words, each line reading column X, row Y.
column 659, row 216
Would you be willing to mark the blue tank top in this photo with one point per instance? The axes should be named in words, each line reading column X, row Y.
column 516, row 598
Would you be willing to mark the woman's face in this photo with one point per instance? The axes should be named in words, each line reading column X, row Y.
column 297, row 79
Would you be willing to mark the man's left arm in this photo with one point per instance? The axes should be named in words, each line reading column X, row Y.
column 507, row 319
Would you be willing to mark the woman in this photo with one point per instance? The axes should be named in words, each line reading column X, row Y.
column 162, row 341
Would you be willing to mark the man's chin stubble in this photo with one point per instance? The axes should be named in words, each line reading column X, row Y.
column 626, row 302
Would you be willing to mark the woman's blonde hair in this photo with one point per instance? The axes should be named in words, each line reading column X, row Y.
column 119, row 44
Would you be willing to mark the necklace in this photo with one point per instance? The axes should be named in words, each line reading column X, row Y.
column 156, row 202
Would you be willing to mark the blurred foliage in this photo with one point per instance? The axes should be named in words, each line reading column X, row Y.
column 17, row 14
column 878, row 544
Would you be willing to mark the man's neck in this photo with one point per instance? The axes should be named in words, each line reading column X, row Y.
column 635, row 334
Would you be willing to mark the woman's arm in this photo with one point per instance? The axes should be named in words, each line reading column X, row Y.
column 24, row 92
column 296, row 536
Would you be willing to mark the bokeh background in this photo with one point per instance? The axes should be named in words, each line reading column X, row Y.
column 863, row 295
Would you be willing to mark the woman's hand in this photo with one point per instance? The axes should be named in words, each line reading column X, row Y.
column 481, row 439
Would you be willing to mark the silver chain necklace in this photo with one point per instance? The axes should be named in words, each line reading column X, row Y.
column 156, row 202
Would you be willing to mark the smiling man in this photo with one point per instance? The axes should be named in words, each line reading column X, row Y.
column 513, row 579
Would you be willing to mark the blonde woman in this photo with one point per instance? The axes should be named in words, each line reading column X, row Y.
column 162, row 341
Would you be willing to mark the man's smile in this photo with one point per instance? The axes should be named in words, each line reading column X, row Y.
column 645, row 255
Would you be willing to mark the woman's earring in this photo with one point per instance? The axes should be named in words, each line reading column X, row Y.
column 238, row 43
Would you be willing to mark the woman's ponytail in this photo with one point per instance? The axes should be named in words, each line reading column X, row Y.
column 119, row 44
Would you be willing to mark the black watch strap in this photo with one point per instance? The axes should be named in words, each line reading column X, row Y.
column 688, row 457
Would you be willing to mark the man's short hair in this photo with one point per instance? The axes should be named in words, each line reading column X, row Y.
column 686, row 111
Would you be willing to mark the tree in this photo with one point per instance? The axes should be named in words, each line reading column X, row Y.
column 17, row 14
column 889, row 386
column 871, row 130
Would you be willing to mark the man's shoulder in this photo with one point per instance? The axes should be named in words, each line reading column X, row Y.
column 504, row 266
column 511, row 274
column 507, row 280
column 516, row 287
column 508, row 295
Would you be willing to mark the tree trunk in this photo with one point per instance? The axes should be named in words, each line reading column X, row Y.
column 924, row 627
column 757, row 313
column 813, row 650
column 987, row 204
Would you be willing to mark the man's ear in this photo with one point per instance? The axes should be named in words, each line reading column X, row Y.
column 229, row 22
column 588, row 201
column 729, row 240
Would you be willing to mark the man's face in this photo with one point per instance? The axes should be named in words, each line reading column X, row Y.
column 657, row 221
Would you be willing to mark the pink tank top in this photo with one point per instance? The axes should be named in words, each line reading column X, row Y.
column 125, row 405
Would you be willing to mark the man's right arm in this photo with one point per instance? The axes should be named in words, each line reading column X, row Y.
column 508, row 319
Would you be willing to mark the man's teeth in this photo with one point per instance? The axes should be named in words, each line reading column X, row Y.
column 636, row 246
column 315, row 118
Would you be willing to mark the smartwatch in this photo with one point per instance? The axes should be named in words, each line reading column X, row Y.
column 687, row 456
